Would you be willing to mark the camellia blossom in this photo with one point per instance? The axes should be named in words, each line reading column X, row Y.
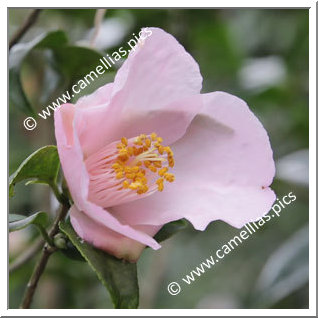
column 149, row 149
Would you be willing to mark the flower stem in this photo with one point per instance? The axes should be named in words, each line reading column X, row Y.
column 38, row 270
column 59, row 196
column 42, row 262
column 45, row 235
column 31, row 19
column 99, row 15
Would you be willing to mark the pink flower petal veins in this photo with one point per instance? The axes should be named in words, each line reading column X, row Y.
column 224, row 166
column 147, row 87
column 77, row 178
column 224, row 162
column 104, row 238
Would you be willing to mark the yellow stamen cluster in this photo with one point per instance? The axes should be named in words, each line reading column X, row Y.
column 132, row 162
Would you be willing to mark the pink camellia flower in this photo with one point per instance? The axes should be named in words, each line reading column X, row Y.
column 149, row 149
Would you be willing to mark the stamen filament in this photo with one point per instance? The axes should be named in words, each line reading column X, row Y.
column 156, row 160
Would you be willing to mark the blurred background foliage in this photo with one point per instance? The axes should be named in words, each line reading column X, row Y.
column 260, row 55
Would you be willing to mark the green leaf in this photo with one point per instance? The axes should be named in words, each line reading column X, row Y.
column 170, row 229
column 16, row 93
column 77, row 65
column 18, row 53
column 18, row 222
column 72, row 252
column 16, row 217
column 72, row 62
column 285, row 272
column 77, row 61
column 42, row 166
column 119, row 277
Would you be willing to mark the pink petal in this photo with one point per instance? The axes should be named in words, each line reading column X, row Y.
column 100, row 97
column 72, row 162
column 108, row 240
column 223, row 168
column 104, row 188
column 148, row 87
column 110, row 113
column 158, row 72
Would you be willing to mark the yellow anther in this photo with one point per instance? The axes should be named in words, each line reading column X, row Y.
column 126, row 184
column 135, row 185
column 130, row 176
column 119, row 175
column 169, row 177
column 153, row 169
column 116, row 165
column 120, row 146
column 162, row 171
column 135, row 169
column 123, row 157
column 160, row 184
column 137, row 151
column 142, row 179
column 157, row 164
column 153, row 136
column 127, row 169
column 171, row 162
column 124, row 141
column 141, row 173
column 147, row 163
column 168, row 151
column 138, row 141
column 142, row 189
column 148, row 143
column 123, row 151
column 130, row 151
column 139, row 165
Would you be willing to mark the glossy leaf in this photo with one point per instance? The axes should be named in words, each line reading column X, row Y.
column 285, row 272
column 170, row 229
column 72, row 252
column 19, row 222
column 118, row 276
column 42, row 166
column 17, row 55
column 15, row 217
column 77, row 61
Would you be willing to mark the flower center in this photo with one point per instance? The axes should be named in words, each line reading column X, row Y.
column 136, row 158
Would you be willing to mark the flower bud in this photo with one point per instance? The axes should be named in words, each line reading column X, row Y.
column 60, row 241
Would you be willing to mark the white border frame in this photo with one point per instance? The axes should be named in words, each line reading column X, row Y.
column 312, row 163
